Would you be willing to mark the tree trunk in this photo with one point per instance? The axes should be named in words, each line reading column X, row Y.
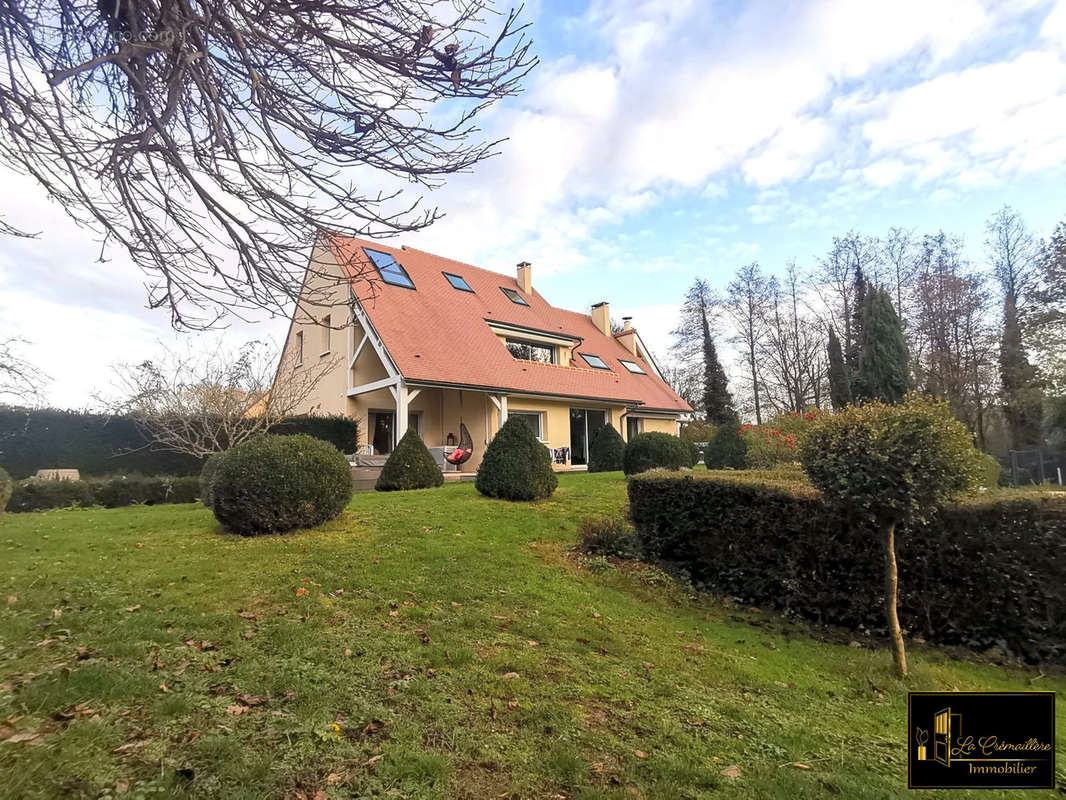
column 892, row 599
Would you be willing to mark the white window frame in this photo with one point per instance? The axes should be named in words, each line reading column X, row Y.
column 327, row 330
column 299, row 348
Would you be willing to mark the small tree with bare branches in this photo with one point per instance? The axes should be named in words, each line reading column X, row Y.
column 21, row 382
column 202, row 403
column 190, row 132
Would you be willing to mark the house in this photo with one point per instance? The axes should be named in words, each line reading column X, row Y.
column 433, row 344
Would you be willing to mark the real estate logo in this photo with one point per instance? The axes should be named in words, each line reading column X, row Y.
column 960, row 740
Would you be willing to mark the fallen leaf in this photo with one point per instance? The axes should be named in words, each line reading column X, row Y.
column 647, row 664
column 457, row 605
column 732, row 771
column 532, row 643
column 56, row 613
column 122, row 786
column 347, row 652
column 511, row 675
column 372, row 760
column 236, row 710
column 300, row 591
column 12, row 599
column 125, row 748
column 335, row 778
column 253, row 699
column 27, row 736
column 394, row 613
column 248, row 634
column 800, row 765
column 246, row 615
column 131, row 609
column 423, row 636
column 163, row 688
column 84, row 653
column 640, row 754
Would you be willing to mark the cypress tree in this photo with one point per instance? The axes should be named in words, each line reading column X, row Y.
column 839, row 384
column 882, row 371
column 717, row 402
column 1022, row 404
column 858, row 310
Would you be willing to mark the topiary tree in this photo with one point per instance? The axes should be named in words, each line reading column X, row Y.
column 727, row 450
column 889, row 465
column 6, row 487
column 410, row 466
column 654, row 451
column 276, row 483
column 606, row 450
column 516, row 466
column 207, row 475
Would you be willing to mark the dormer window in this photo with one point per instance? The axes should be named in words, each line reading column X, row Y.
column 632, row 366
column 594, row 361
column 514, row 296
column 531, row 351
column 390, row 270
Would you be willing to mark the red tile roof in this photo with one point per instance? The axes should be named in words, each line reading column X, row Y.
column 440, row 334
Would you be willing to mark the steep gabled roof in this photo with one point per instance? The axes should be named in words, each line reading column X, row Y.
column 436, row 333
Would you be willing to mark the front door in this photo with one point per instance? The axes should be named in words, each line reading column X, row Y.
column 382, row 427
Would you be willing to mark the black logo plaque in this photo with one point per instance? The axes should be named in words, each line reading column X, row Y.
column 963, row 740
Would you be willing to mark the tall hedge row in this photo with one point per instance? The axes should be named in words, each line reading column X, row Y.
column 987, row 571
column 35, row 494
column 101, row 444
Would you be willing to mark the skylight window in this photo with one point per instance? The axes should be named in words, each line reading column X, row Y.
column 514, row 296
column 594, row 361
column 632, row 366
column 390, row 270
column 458, row 282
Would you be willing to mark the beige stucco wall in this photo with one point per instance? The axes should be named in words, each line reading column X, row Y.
column 652, row 425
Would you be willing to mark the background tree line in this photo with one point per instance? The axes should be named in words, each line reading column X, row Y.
column 877, row 316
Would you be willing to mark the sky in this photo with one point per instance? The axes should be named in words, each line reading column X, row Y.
column 657, row 142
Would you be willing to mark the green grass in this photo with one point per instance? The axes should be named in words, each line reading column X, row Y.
column 403, row 684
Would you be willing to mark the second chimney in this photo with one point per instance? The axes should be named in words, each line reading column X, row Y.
column 601, row 317
column 525, row 277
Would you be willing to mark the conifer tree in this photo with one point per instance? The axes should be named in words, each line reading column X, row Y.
column 839, row 383
column 882, row 371
column 1022, row 396
column 693, row 340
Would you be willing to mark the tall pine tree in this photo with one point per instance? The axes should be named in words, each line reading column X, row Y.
column 693, row 340
column 882, row 372
column 839, row 383
column 1022, row 395
column 858, row 310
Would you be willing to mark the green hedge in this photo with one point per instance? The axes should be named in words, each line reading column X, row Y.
column 516, row 466
column 273, row 484
column 5, row 489
column 410, row 466
column 988, row 570
column 35, row 494
column 606, row 450
column 654, row 451
column 101, row 444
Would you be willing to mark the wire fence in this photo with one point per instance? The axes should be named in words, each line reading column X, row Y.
column 1037, row 467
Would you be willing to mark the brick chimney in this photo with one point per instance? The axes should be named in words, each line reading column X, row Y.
column 628, row 337
column 525, row 277
column 601, row 317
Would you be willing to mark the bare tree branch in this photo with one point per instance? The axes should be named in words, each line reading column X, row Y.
column 214, row 140
column 20, row 381
column 201, row 403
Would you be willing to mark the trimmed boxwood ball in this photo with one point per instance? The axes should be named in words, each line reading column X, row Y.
column 272, row 484
column 727, row 450
column 516, row 466
column 654, row 451
column 207, row 475
column 606, row 450
column 5, row 489
column 410, row 466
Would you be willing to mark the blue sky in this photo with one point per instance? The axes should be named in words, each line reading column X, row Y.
column 657, row 142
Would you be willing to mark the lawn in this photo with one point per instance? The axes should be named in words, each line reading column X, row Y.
column 425, row 644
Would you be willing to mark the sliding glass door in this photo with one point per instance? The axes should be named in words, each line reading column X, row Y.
column 583, row 423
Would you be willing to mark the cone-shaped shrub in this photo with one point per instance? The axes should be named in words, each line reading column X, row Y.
column 516, row 466
column 272, row 484
column 727, row 450
column 606, row 450
column 410, row 466
column 654, row 451
column 5, row 489
column 207, row 475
